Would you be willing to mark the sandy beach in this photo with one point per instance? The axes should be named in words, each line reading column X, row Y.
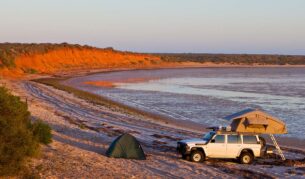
column 83, row 130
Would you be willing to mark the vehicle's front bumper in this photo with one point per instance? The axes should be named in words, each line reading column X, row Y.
column 182, row 148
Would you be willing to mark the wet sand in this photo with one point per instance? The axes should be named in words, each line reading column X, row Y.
column 75, row 82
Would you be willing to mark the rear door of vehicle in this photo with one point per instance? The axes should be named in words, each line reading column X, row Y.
column 252, row 142
column 217, row 146
column 234, row 145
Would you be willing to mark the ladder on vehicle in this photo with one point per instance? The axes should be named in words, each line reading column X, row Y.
column 277, row 147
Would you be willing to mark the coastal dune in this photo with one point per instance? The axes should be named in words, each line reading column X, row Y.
column 72, row 58
column 17, row 60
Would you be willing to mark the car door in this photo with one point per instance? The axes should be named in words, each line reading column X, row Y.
column 217, row 146
column 234, row 145
column 252, row 142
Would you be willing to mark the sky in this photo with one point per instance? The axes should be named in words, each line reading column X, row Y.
column 184, row 26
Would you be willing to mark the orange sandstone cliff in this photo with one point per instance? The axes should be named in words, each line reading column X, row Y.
column 69, row 58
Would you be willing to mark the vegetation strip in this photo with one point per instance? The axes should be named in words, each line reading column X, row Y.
column 234, row 59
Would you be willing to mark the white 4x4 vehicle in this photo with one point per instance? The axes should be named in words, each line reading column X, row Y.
column 222, row 144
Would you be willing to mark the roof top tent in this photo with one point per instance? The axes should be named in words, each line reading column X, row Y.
column 256, row 121
column 259, row 122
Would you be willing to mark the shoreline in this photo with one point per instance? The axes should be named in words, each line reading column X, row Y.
column 101, row 100
column 189, row 65
column 172, row 65
column 286, row 142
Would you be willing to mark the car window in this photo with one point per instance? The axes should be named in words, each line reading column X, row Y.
column 249, row 139
column 208, row 136
column 234, row 139
column 219, row 139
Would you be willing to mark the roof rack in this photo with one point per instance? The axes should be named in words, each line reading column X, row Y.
column 220, row 128
column 227, row 130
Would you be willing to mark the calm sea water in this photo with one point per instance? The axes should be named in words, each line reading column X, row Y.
column 206, row 95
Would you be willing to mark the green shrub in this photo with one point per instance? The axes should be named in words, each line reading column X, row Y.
column 6, row 59
column 43, row 132
column 17, row 138
column 30, row 71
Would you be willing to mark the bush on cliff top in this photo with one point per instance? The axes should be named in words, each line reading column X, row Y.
column 245, row 59
column 19, row 138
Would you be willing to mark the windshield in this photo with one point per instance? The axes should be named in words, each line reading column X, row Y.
column 208, row 136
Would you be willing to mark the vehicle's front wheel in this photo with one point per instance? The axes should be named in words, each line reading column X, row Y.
column 246, row 158
column 197, row 156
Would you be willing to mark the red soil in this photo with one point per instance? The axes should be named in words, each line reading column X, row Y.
column 73, row 58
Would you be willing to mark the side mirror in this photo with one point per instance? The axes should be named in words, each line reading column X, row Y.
column 213, row 141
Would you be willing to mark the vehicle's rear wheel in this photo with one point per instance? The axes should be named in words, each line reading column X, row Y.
column 246, row 158
column 197, row 156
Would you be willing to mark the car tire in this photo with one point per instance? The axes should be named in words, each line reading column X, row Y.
column 197, row 156
column 246, row 158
